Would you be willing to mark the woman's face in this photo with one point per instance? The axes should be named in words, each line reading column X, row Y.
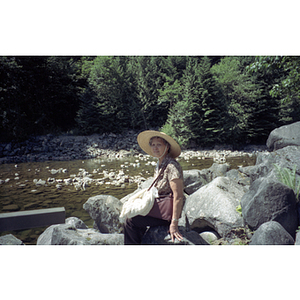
column 158, row 147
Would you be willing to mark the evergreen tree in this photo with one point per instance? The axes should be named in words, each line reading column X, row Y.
column 42, row 96
column 191, row 96
column 13, row 121
column 210, row 106
column 109, row 105
column 178, row 123
column 149, row 80
column 183, row 118
column 267, row 113
column 240, row 94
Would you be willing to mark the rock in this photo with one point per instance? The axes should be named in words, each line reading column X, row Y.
column 214, row 206
column 195, row 179
column 11, row 207
column 251, row 173
column 8, row 147
column 46, row 237
column 271, row 233
column 64, row 235
column 40, row 182
column 270, row 200
column 53, row 171
column 74, row 234
column 76, row 223
column 105, row 211
column 159, row 235
column 297, row 238
column 283, row 136
column 216, row 170
column 10, row 239
column 209, row 236
column 239, row 177
column 31, row 205
column 288, row 157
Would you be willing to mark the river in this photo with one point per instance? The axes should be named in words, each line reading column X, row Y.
column 19, row 190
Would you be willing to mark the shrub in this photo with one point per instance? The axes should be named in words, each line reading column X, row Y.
column 289, row 178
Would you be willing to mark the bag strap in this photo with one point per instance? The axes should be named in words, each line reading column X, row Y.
column 160, row 172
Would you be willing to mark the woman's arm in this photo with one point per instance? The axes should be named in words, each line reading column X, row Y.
column 177, row 189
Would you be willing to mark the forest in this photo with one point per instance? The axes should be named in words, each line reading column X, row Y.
column 199, row 100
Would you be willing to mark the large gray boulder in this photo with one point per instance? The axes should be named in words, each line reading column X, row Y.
column 195, row 179
column 216, row 170
column 159, row 235
column 270, row 200
column 239, row 177
column 271, row 233
column 283, row 136
column 76, row 233
column 105, row 211
column 288, row 157
column 251, row 173
column 64, row 235
column 46, row 237
column 214, row 206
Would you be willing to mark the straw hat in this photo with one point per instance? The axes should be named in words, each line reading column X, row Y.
column 145, row 136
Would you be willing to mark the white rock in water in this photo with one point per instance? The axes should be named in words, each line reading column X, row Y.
column 40, row 182
column 53, row 171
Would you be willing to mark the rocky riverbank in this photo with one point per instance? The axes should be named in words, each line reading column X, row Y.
column 65, row 148
column 247, row 205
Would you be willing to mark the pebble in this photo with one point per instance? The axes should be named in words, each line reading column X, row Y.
column 11, row 207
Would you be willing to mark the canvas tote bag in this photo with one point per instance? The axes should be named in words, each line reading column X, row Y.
column 148, row 202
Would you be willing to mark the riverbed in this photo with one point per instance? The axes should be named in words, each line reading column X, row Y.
column 37, row 185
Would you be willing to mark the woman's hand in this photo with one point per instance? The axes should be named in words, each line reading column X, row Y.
column 174, row 232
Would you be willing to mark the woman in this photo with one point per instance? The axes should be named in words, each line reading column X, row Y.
column 163, row 147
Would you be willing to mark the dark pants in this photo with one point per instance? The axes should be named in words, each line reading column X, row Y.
column 135, row 228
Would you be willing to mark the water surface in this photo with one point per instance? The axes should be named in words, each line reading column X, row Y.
column 21, row 193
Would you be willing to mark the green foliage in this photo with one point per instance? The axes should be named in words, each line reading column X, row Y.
column 38, row 95
column 241, row 95
column 211, row 107
column 178, row 123
column 149, row 80
column 239, row 209
column 287, row 86
column 200, row 101
column 279, row 78
column 107, row 104
column 289, row 178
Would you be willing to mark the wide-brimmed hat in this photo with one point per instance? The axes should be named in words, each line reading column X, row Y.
column 145, row 136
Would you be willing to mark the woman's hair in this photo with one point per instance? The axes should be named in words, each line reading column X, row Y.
column 158, row 137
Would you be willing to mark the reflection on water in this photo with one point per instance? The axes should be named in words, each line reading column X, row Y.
column 19, row 191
